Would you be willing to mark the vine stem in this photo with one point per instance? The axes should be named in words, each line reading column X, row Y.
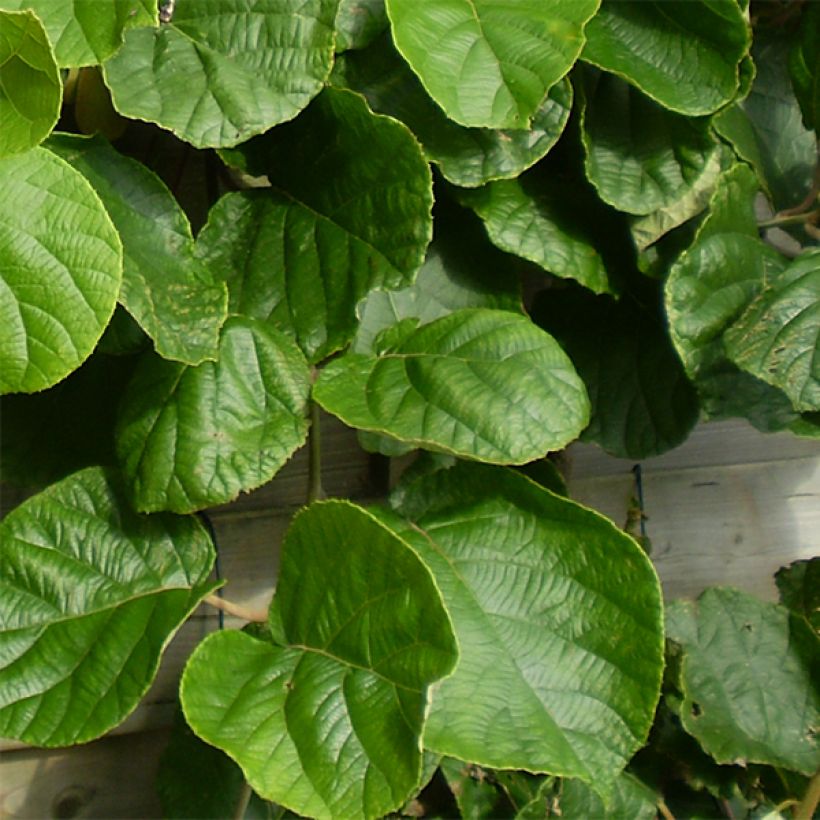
column 789, row 219
column 805, row 808
column 315, row 490
column 237, row 610
column 242, row 801
column 664, row 810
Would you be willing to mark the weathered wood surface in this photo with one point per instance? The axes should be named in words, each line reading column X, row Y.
column 728, row 507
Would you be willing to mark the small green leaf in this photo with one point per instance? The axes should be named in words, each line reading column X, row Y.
column 171, row 295
column 748, row 691
column 731, row 207
column 91, row 595
column 558, row 619
column 221, row 72
column 330, row 724
column 485, row 384
column 477, row 797
column 777, row 339
column 642, row 402
column 804, row 66
column 631, row 800
column 684, row 54
column 87, row 32
column 359, row 22
column 466, row 156
column 490, row 65
column 31, row 91
column 192, row 437
column 640, row 156
column 799, row 588
column 60, row 270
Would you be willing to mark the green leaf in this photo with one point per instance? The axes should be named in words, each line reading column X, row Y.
column 490, row 65
column 631, row 800
column 799, row 588
column 171, row 295
column 640, row 156
column 777, row 339
column 87, row 32
column 558, row 619
column 91, row 595
column 682, row 53
column 466, row 156
column 60, row 270
column 31, row 91
column 731, row 207
column 642, row 402
column 330, row 724
column 192, row 437
column 221, row 72
column 748, row 691
column 485, row 384
column 804, row 67
column 359, row 22
column 477, row 797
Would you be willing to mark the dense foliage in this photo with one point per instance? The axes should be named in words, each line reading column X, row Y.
column 478, row 229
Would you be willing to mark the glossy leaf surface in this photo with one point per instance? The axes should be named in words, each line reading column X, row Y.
column 222, row 71
column 91, row 595
column 60, row 270
column 191, row 437
column 31, row 87
column 731, row 206
column 485, row 384
column 558, row 619
column 747, row 680
column 175, row 300
column 330, row 723
column 488, row 64
column 684, row 53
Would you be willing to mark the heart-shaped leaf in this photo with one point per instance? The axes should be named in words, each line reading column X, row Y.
column 91, row 595
column 170, row 294
column 87, row 32
column 330, row 723
column 555, row 608
column 221, row 72
column 804, row 66
column 359, row 22
column 60, row 270
column 466, row 156
column 777, row 339
column 685, row 53
column 485, row 384
column 490, row 65
column 191, row 437
column 746, row 673
column 30, row 81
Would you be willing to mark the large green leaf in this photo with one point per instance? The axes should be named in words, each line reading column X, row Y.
column 490, row 64
column 60, row 270
column 171, row 295
column 30, row 87
column 777, row 339
column 749, row 691
column 642, row 402
column 804, row 66
column 631, row 800
column 87, row 32
column 558, row 619
column 683, row 53
column 640, row 156
column 329, row 724
column 466, row 156
column 191, row 437
column 222, row 70
column 485, row 384
column 91, row 595
column 359, row 22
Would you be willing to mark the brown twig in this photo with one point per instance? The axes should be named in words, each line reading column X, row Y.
column 237, row 610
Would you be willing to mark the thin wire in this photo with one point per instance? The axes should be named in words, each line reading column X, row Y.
column 209, row 526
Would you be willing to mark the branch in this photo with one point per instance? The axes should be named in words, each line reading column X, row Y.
column 664, row 810
column 805, row 808
column 315, row 490
column 235, row 609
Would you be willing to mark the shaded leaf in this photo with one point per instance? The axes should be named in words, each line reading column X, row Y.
column 192, row 437
column 171, row 295
column 485, row 384
column 60, row 270
column 799, row 588
column 682, row 53
column 466, row 156
column 553, row 607
column 748, row 693
column 504, row 58
column 642, row 402
column 91, row 595
column 777, row 339
column 631, row 800
column 476, row 796
column 330, row 724
column 804, row 66
column 31, row 91
column 359, row 22
column 221, row 72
